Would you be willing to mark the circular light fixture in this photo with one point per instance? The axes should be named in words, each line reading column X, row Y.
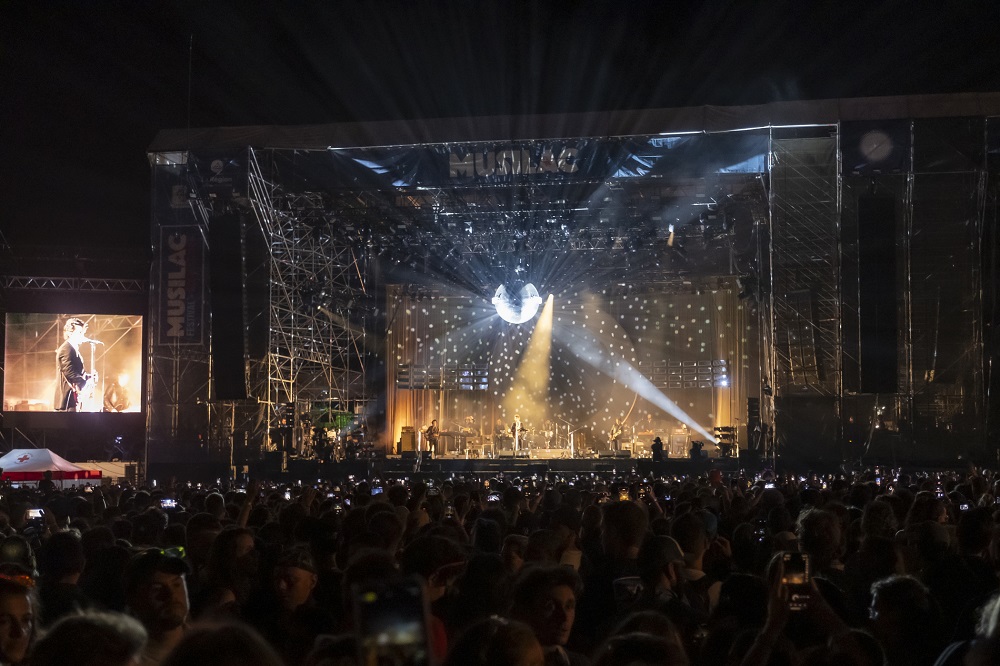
column 517, row 305
column 876, row 145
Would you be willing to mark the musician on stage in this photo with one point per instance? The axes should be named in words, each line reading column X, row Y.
column 469, row 427
column 648, row 425
column 431, row 435
column 116, row 398
column 549, row 433
column 501, row 433
column 616, row 433
column 69, row 367
column 517, row 431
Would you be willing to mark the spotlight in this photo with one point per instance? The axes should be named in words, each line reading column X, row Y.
column 517, row 304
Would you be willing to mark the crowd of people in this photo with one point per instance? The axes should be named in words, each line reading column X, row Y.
column 859, row 567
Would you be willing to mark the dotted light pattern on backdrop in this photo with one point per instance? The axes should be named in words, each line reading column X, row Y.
column 451, row 337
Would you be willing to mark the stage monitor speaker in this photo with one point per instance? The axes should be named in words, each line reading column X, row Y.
column 276, row 461
column 878, row 305
column 753, row 411
column 544, row 454
column 505, row 453
column 679, row 445
column 411, row 456
column 606, row 454
column 407, row 441
column 225, row 244
column 623, row 454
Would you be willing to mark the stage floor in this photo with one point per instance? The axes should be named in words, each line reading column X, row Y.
column 398, row 467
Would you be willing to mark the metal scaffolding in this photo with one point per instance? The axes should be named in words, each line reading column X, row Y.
column 805, row 267
column 318, row 285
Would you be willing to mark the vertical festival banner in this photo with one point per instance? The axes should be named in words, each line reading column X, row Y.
column 181, row 303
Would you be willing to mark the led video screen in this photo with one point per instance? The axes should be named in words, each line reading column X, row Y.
column 73, row 363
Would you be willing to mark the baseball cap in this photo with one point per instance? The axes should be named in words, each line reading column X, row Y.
column 143, row 565
column 298, row 558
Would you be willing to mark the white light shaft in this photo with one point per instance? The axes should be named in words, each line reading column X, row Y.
column 622, row 371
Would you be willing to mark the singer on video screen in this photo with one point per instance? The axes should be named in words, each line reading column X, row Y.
column 76, row 387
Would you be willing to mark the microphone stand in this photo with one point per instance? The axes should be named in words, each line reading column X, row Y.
column 569, row 435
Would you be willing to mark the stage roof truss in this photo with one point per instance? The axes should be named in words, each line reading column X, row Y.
column 35, row 283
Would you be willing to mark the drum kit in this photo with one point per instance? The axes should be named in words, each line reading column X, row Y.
column 530, row 438
column 333, row 446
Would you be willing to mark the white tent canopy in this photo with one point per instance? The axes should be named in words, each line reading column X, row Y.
column 31, row 464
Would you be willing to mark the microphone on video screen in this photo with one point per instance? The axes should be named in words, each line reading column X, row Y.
column 94, row 342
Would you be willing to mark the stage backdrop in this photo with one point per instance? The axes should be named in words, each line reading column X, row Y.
column 598, row 356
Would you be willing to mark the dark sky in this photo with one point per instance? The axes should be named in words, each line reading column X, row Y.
column 87, row 84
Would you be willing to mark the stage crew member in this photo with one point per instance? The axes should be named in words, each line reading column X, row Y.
column 657, row 448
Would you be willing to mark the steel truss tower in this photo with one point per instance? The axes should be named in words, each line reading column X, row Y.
column 802, row 368
column 317, row 303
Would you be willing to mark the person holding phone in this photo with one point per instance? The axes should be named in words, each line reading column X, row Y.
column 820, row 538
column 439, row 561
column 772, row 641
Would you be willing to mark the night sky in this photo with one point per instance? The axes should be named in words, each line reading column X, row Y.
column 86, row 85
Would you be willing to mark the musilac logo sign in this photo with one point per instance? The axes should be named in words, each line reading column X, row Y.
column 500, row 162
column 181, row 302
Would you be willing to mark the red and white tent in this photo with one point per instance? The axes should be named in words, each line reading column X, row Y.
column 30, row 465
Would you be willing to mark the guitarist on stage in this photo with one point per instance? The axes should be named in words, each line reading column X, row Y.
column 73, row 381
column 431, row 435
column 617, row 430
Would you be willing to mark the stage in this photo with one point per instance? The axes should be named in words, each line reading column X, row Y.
column 292, row 469
column 701, row 276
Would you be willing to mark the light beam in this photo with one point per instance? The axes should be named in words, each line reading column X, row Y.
column 529, row 392
column 584, row 346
